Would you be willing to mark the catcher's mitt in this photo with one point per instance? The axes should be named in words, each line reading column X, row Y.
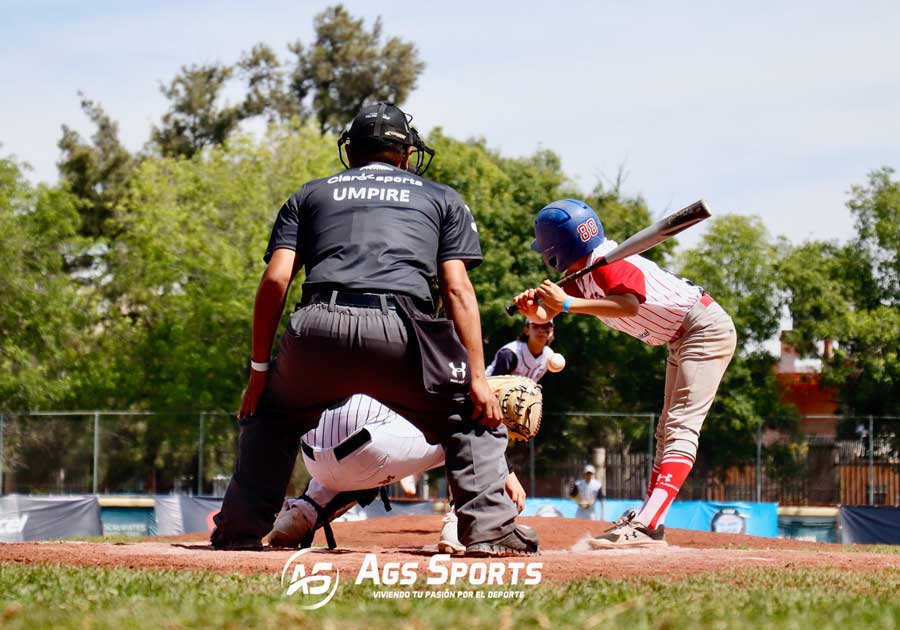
column 521, row 403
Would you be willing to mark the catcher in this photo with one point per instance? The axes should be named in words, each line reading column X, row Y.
column 361, row 446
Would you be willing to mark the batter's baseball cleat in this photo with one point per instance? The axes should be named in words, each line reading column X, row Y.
column 626, row 517
column 449, row 538
column 630, row 534
column 522, row 541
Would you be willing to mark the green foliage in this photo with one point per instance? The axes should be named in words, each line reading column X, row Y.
column 622, row 217
column 196, row 119
column 267, row 86
column 849, row 295
column 96, row 172
column 44, row 314
column 347, row 66
column 735, row 262
column 184, row 273
column 877, row 210
column 131, row 284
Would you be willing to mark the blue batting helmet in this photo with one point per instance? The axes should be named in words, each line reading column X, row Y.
column 564, row 231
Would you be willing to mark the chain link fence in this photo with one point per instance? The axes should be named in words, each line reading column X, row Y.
column 851, row 460
column 856, row 461
column 113, row 452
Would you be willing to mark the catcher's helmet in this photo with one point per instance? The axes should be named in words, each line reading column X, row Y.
column 564, row 231
column 388, row 124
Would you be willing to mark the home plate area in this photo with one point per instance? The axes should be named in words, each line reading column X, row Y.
column 412, row 541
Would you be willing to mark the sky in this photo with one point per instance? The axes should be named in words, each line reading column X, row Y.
column 768, row 108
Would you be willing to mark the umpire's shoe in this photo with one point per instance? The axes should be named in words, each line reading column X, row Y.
column 246, row 543
column 522, row 541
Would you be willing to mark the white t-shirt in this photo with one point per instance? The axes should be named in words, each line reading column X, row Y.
column 587, row 491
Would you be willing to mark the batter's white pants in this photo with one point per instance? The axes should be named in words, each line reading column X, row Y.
column 696, row 364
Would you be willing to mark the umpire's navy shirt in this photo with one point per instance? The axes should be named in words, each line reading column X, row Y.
column 376, row 228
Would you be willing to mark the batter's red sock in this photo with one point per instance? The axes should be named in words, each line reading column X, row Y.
column 654, row 473
column 673, row 470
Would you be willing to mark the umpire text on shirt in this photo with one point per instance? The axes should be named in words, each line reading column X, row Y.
column 373, row 240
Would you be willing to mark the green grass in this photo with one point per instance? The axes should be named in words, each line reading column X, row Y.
column 887, row 549
column 880, row 549
column 35, row 596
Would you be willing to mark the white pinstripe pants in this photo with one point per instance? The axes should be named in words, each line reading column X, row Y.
column 696, row 364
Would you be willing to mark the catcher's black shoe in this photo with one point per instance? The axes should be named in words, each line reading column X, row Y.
column 242, row 543
column 522, row 541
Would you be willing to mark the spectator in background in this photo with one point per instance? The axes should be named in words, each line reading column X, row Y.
column 586, row 491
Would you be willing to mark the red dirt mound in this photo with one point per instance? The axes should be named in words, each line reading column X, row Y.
column 414, row 539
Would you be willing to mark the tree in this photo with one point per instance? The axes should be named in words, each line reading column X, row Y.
column 196, row 118
column 267, row 90
column 738, row 264
column 877, row 210
column 96, row 172
column 43, row 315
column 614, row 372
column 347, row 66
column 848, row 294
column 183, row 274
column 735, row 262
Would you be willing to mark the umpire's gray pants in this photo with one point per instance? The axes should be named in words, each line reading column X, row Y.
column 327, row 354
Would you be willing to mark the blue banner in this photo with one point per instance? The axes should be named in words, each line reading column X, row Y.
column 754, row 519
column 870, row 525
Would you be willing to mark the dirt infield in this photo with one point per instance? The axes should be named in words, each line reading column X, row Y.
column 414, row 538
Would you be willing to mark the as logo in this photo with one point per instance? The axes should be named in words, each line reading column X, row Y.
column 312, row 586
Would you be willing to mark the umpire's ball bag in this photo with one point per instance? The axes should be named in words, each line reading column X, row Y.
column 445, row 360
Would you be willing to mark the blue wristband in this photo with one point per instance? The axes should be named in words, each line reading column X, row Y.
column 567, row 304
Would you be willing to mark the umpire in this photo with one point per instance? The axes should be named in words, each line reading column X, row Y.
column 373, row 240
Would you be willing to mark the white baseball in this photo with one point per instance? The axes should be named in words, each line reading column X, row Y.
column 556, row 363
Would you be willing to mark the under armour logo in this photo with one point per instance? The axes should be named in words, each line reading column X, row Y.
column 667, row 478
column 457, row 374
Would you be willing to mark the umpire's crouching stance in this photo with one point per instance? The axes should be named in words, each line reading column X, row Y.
column 373, row 239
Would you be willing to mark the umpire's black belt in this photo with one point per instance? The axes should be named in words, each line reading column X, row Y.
column 383, row 301
column 345, row 448
column 360, row 299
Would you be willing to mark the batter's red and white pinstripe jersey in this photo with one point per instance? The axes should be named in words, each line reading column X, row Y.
column 665, row 298
column 340, row 422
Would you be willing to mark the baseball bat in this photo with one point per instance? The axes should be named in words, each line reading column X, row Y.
column 650, row 236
